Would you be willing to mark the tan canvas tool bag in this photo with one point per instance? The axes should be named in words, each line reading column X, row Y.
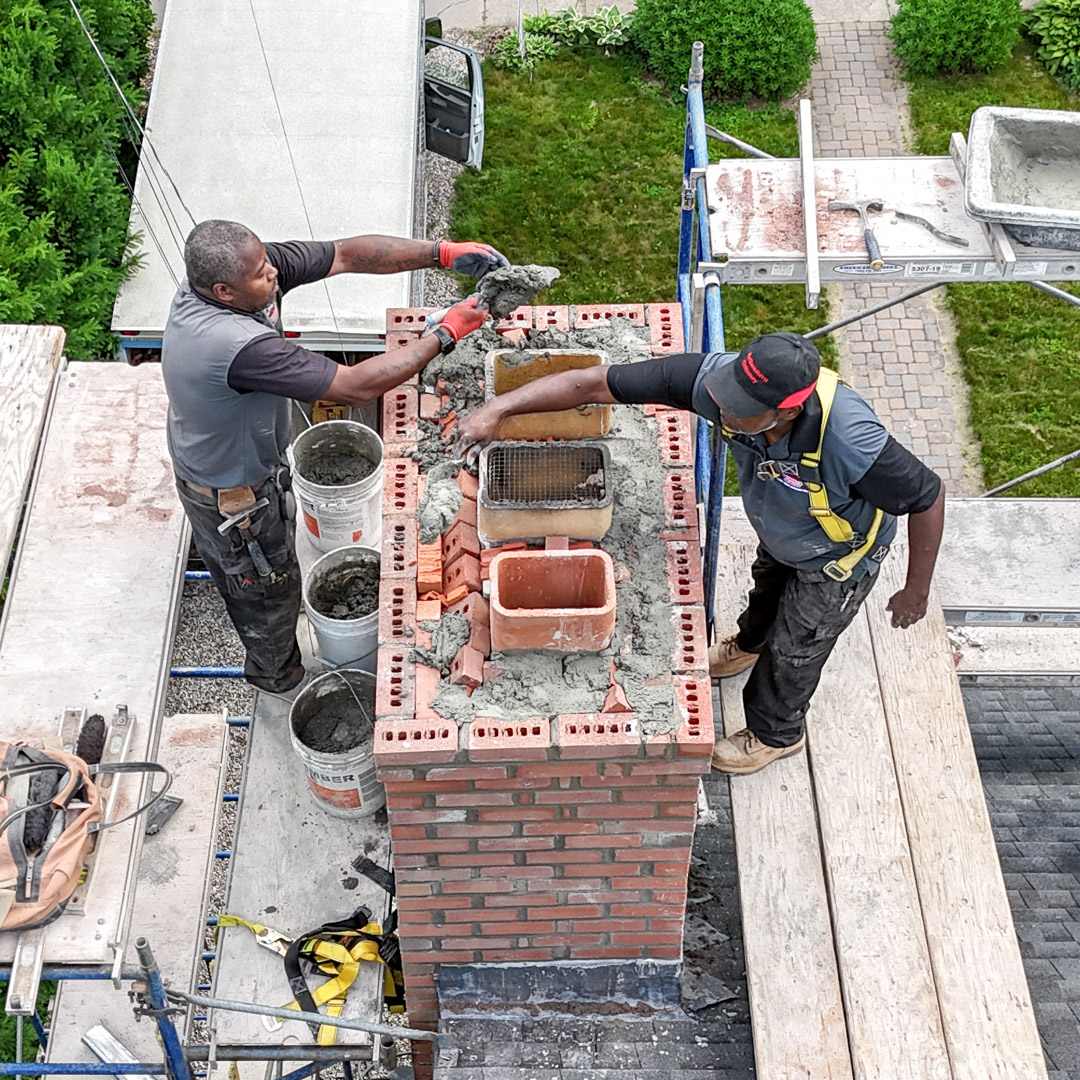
column 50, row 814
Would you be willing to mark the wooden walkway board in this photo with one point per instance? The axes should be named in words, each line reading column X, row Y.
column 29, row 358
column 90, row 613
column 917, row 925
column 290, row 870
column 985, row 1004
column 169, row 903
column 795, row 1003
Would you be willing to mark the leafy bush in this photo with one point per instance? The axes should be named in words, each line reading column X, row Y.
column 950, row 36
column 753, row 48
column 606, row 26
column 507, row 52
column 1055, row 26
column 63, row 211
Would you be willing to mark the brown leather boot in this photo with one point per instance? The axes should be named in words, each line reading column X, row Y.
column 745, row 753
column 727, row 659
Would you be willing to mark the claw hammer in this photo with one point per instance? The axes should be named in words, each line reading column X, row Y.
column 872, row 249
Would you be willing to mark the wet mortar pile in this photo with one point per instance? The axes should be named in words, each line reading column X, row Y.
column 542, row 683
column 512, row 286
column 338, row 720
column 335, row 467
column 347, row 592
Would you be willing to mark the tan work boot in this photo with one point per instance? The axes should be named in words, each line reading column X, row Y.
column 727, row 659
column 745, row 753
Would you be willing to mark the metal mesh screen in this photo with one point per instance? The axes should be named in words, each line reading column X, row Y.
column 548, row 474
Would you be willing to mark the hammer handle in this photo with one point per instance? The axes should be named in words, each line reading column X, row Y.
column 872, row 249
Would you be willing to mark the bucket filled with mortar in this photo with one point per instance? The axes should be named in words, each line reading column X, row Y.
column 341, row 597
column 332, row 728
column 337, row 478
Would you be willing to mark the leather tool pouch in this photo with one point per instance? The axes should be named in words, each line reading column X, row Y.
column 236, row 500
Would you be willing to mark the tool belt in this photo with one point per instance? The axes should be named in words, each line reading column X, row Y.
column 836, row 528
column 335, row 949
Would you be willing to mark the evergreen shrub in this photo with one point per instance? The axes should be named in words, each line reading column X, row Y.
column 946, row 37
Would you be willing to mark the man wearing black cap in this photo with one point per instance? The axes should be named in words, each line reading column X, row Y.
column 822, row 483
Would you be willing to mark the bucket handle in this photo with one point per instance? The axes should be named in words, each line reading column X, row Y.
column 307, row 420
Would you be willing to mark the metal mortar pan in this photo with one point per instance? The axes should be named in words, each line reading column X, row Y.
column 533, row 490
column 1022, row 171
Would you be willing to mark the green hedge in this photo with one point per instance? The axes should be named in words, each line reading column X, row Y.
column 946, row 37
column 1055, row 26
column 63, row 209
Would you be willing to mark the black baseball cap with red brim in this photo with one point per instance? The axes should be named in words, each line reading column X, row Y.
column 775, row 371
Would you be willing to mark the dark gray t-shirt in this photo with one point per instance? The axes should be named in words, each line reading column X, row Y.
column 862, row 466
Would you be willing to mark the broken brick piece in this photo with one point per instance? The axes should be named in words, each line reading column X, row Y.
column 514, row 335
column 467, row 512
column 428, row 610
column 474, row 607
column 430, row 406
column 480, row 638
column 459, row 539
column 454, row 595
column 464, row 570
column 469, row 484
column 467, row 668
column 429, row 567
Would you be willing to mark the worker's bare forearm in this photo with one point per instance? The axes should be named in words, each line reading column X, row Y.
column 563, row 390
column 364, row 382
column 924, row 539
column 374, row 254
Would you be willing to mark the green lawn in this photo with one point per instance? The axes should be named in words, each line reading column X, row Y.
column 1020, row 348
column 583, row 171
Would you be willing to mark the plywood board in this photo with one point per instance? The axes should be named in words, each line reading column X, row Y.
column 290, row 869
column 986, row 1008
column 796, row 1007
column 168, row 906
column 885, row 975
column 29, row 358
column 90, row 612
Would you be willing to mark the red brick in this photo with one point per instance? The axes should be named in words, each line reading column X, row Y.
column 399, row 339
column 521, row 318
column 514, row 335
column 691, row 655
column 642, row 881
column 474, row 607
column 557, row 769
column 429, row 569
column 399, row 741
column 401, row 409
column 693, row 707
column 594, row 735
column 459, row 539
column 573, row 798
column 517, row 813
column 427, row 690
column 627, row 840
column 466, row 512
column 480, row 640
column 678, row 810
column 647, row 911
column 594, row 871
column 623, row 810
column 607, row 952
column 395, row 691
column 683, row 560
column 476, row 798
column 435, row 873
column 420, row 847
column 597, row 896
column 474, row 858
column 467, row 667
column 647, row 939
column 423, row 786
column 666, row 328
column 666, row 926
column 654, row 952
column 680, row 505
column 472, row 830
column 406, row 832
column 397, row 610
column 428, row 610
column 589, row 315
column 400, row 479
column 659, row 745
column 573, row 940
column 406, row 889
column 679, row 855
column 551, row 318
column 509, row 956
column 409, row 320
column 409, row 862
column 676, row 446
column 537, row 877
column 561, row 828
column 398, row 548
column 465, row 570
column 517, row 843
column 469, row 484
column 474, row 914
column 518, row 900
column 509, row 740
column 561, row 858
column 467, row 772
column 651, row 768
column 479, row 942
column 430, row 406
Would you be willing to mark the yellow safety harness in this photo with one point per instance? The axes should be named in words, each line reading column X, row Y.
column 336, row 950
column 836, row 528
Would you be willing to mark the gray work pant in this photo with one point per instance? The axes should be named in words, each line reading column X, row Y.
column 264, row 610
column 793, row 619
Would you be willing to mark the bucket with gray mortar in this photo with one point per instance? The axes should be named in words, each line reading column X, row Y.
column 341, row 597
column 332, row 729
column 337, row 478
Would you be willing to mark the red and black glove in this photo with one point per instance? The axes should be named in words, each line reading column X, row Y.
column 465, row 317
column 468, row 258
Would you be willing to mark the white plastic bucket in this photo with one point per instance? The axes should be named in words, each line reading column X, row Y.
column 342, row 781
column 343, row 641
column 341, row 513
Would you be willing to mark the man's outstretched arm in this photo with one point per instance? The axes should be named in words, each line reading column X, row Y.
column 908, row 606
column 375, row 254
column 564, row 390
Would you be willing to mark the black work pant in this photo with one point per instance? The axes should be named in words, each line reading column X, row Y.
column 264, row 610
column 793, row 619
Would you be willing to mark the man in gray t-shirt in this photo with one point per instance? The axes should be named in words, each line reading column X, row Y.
column 809, row 581
column 230, row 374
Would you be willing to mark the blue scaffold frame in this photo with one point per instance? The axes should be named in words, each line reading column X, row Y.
column 710, row 451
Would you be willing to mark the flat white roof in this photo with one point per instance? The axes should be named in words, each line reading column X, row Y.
column 309, row 135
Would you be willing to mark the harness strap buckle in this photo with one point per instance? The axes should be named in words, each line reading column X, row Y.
column 835, row 571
